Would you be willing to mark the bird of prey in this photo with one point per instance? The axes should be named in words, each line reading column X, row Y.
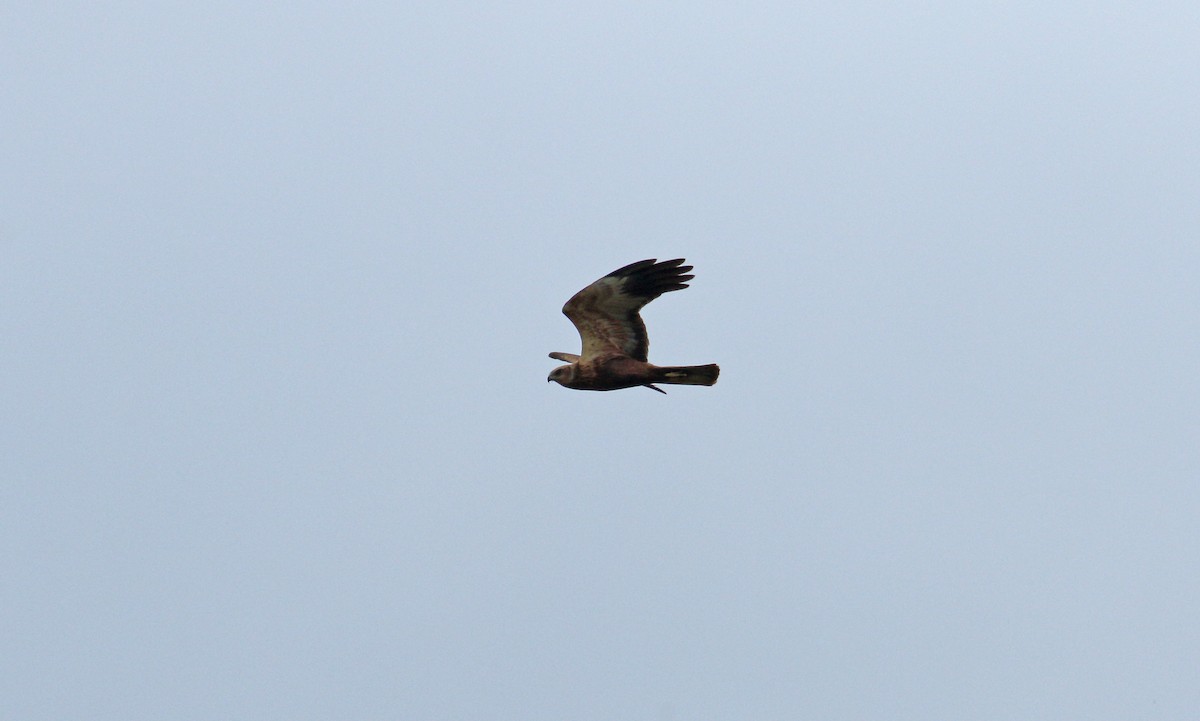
column 614, row 337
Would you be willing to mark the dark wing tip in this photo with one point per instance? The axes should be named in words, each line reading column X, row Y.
column 651, row 278
column 651, row 265
column 631, row 268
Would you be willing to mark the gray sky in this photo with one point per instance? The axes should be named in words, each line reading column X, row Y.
column 279, row 284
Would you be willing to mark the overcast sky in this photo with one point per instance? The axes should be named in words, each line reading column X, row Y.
column 278, row 284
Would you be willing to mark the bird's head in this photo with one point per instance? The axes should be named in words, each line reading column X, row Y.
column 562, row 374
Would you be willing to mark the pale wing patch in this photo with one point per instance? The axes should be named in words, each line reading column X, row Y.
column 606, row 312
column 601, row 314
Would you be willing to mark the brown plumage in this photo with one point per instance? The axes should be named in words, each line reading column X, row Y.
column 614, row 337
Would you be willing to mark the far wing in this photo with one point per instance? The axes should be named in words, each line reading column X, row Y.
column 606, row 312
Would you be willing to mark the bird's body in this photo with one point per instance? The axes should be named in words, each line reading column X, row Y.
column 614, row 337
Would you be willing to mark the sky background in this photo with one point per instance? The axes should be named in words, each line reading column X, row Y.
column 278, row 285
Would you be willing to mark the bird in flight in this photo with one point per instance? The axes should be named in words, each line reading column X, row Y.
column 614, row 337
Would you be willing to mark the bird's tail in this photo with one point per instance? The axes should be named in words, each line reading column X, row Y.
column 688, row 375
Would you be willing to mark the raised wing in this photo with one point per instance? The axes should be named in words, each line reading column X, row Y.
column 606, row 312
